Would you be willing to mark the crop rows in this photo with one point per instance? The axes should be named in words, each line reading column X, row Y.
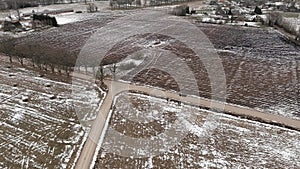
column 212, row 140
column 39, row 126
column 261, row 67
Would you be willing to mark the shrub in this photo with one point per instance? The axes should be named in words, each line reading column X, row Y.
column 257, row 10
column 179, row 10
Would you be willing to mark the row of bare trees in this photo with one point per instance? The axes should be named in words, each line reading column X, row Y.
column 51, row 59
column 12, row 4
column 42, row 57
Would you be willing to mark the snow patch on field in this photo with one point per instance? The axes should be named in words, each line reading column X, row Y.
column 213, row 140
column 41, row 131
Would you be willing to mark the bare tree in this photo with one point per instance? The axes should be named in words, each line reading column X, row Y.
column 92, row 7
column 274, row 18
column 7, row 47
column 21, row 52
column 113, row 70
column 16, row 4
column 100, row 74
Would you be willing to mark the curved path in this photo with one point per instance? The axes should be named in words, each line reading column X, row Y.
column 114, row 87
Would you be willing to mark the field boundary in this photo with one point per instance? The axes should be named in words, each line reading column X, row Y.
column 98, row 129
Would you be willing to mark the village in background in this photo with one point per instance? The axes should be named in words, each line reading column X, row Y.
column 18, row 17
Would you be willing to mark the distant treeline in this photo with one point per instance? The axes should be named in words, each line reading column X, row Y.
column 13, row 4
column 116, row 4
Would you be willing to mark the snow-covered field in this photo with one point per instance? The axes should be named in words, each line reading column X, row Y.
column 39, row 127
column 102, row 6
column 211, row 140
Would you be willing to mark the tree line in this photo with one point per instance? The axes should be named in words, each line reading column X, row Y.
column 14, row 4
column 119, row 4
column 52, row 59
column 42, row 57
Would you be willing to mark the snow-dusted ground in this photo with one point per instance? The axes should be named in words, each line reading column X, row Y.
column 71, row 17
column 264, row 76
column 39, row 126
column 292, row 23
column 250, row 24
column 102, row 6
column 212, row 140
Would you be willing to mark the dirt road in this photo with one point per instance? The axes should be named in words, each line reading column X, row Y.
column 288, row 35
column 114, row 88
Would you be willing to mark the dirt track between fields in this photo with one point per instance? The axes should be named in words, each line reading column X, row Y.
column 98, row 128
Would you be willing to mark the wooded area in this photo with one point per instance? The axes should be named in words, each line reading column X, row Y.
column 13, row 4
